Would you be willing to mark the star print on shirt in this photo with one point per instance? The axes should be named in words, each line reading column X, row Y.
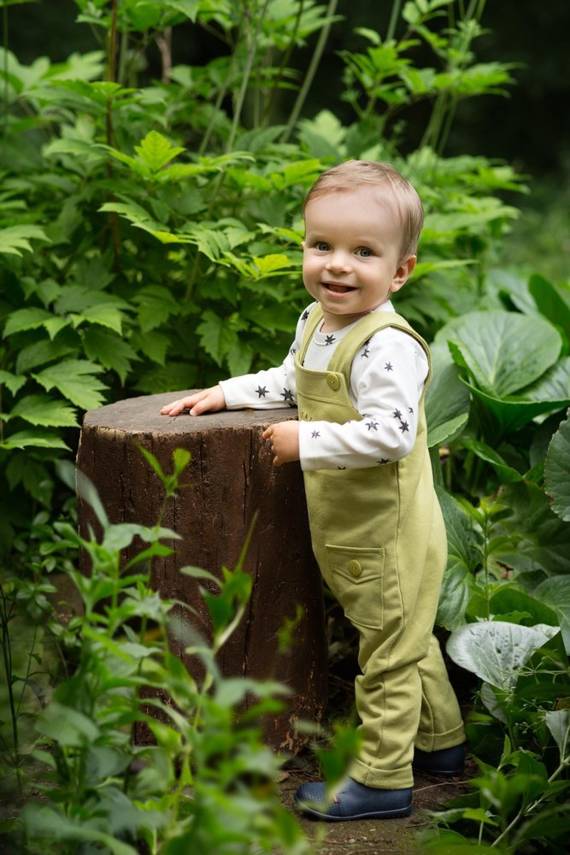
column 315, row 434
column 261, row 391
column 305, row 315
column 330, row 339
column 410, row 409
column 286, row 394
column 383, row 460
column 372, row 425
column 397, row 414
column 365, row 352
column 404, row 427
column 341, row 467
column 293, row 351
column 388, row 366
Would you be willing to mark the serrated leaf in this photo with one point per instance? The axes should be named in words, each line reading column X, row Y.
column 33, row 438
column 40, row 352
column 156, row 304
column 44, row 411
column 155, row 151
column 26, row 319
column 216, row 336
column 11, row 381
column 105, row 315
column 113, row 352
column 14, row 239
column 74, row 379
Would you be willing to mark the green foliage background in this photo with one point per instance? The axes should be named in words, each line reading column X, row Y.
column 150, row 234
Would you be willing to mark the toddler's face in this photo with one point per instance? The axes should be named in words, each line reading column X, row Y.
column 351, row 253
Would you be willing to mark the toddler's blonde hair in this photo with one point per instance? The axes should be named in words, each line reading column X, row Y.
column 355, row 173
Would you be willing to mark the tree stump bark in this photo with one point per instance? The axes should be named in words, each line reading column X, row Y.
column 231, row 477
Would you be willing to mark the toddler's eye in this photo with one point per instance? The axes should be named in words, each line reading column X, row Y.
column 364, row 252
column 321, row 245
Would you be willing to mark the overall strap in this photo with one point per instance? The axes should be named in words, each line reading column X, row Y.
column 348, row 347
column 313, row 321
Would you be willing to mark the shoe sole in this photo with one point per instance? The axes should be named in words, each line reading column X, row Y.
column 385, row 814
column 445, row 773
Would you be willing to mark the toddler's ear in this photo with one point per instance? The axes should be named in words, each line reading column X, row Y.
column 403, row 273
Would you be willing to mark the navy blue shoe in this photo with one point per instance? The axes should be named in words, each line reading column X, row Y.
column 446, row 761
column 353, row 801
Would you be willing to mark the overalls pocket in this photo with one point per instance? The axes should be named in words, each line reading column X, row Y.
column 354, row 575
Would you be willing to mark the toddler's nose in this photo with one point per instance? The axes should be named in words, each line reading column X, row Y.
column 339, row 261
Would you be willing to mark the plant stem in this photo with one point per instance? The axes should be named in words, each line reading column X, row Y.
column 7, row 658
column 311, row 71
column 395, row 14
column 251, row 51
column 525, row 811
column 284, row 61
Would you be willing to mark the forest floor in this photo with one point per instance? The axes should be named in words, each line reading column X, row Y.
column 374, row 837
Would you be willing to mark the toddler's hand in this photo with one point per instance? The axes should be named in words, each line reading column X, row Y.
column 284, row 438
column 205, row 401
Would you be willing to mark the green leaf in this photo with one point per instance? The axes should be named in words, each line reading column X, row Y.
column 485, row 452
column 155, row 151
column 74, row 379
column 40, row 352
column 216, row 336
column 14, row 239
column 463, row 557
column 33, row 438
column 557, row 471
column 26, row 319
column 542, row 540
column 11, row 381
column 558, row 723
column 156, row 304
column 512, row 413
column 110, row 350
column 503, row 351
column 67, row 726
column 550, row 302
column 447, row 399
column 41, row 410
column 495, row 650
column 555, row 592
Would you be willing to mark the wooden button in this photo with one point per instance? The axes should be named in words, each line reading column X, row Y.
column 354, row 568
column 333, row 381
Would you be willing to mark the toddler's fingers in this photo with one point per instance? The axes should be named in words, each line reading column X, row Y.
column 267, row 433
column 176, row 407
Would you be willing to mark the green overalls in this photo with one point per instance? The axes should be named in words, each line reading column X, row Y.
column 379, row 538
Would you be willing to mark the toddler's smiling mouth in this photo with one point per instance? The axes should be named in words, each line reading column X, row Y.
column 337, row 288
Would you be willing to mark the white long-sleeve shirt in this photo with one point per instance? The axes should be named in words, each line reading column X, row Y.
column 386, row 382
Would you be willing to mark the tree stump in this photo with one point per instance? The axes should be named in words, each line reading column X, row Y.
column 231, row 477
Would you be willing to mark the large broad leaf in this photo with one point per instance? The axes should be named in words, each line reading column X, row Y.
column 74, row 379
column 555, row 592
column 557, row 471
column 495, row 650
column 503, row 351
column 464, row 555
column 447, row 399
column 552, row 304
column 513, row 413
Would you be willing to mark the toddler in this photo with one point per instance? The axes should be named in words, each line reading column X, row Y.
column 357, row 372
